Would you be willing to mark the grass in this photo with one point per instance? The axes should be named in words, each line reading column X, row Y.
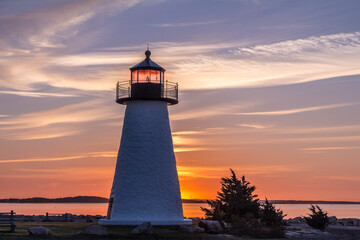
column 65, row 230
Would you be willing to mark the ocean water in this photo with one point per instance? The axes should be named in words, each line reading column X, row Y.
column 190, row 209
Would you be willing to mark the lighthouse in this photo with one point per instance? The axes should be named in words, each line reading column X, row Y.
column 146, row 185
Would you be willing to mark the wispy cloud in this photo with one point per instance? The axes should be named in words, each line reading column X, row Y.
column 40, row 159
column 285, row 62
column 32, row 39
column 75, row 174
column 89, row 59
column 40, row 133
column 186, row 24
column 346, row 178
column 190, row 149
column 298, row 110
column 256, row 126
column 330, row 148
column 56, row 122
column 106, row 154
column 74, row 113
column 218, row 172
column 50, row 25
column 214, row 110
column 324, row 139
column 187, row 133
column 212, row 64
column 299, row 46
column 312, row 130
column 37, row 94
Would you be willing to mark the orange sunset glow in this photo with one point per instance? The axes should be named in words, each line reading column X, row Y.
column 273, row 96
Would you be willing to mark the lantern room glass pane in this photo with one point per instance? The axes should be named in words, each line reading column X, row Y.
column 134, row 76
column 146, row 76
column 155, row 76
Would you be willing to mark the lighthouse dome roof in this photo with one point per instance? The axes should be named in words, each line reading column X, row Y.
column 147, row 64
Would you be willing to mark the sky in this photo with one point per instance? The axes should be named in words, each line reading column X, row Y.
column 267, row 88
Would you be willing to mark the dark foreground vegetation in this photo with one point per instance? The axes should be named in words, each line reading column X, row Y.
column 317, row 219
column 241, row 211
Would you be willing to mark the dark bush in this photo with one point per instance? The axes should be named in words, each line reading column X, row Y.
column 273, row 219
column 270, row 216
column 237, row 205
column 215, row 212
column 235, row 198
column 317, row 219
column 246, row 225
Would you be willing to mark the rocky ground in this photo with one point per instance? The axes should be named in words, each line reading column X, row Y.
column 69, row 226
column 345, row 228
column 303, row 231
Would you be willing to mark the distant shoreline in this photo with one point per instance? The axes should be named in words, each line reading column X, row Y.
column 78, row 199
column 310, row 202
column 94, row 199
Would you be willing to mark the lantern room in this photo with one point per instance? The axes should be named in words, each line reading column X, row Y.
column 147, row 83
column 147, row 71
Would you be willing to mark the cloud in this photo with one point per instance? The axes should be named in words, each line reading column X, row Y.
column 33, row 46
column 300, row 46
column 74, row 113
column 100, row 58
column 190, row 149
column 40, row 159
column 209, row 111
column 106, row 154
column 186, row 24
column 346, row 178
column 219, row 172
column 171, row 51
column 298, row 110
column 329, row 148
column 256, row 126
column 212, row 64
column 285, row 62
column 37, row 94
column 186, row 133
column 50, row 25
column 75, row 174
column 324, row 139
column 33, row 39
column 182, row 140
column 56, row 122
column 36, row 134
column 46, row 26
column 328, row 129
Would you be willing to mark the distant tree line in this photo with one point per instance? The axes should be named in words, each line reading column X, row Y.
column 78, row 199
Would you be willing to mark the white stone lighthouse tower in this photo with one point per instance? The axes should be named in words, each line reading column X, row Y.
column 146, row 184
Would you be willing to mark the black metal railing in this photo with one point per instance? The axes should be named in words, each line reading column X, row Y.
column 169, row 91
column 123, row 90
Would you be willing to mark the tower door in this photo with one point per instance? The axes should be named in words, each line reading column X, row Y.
column 111, row 203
